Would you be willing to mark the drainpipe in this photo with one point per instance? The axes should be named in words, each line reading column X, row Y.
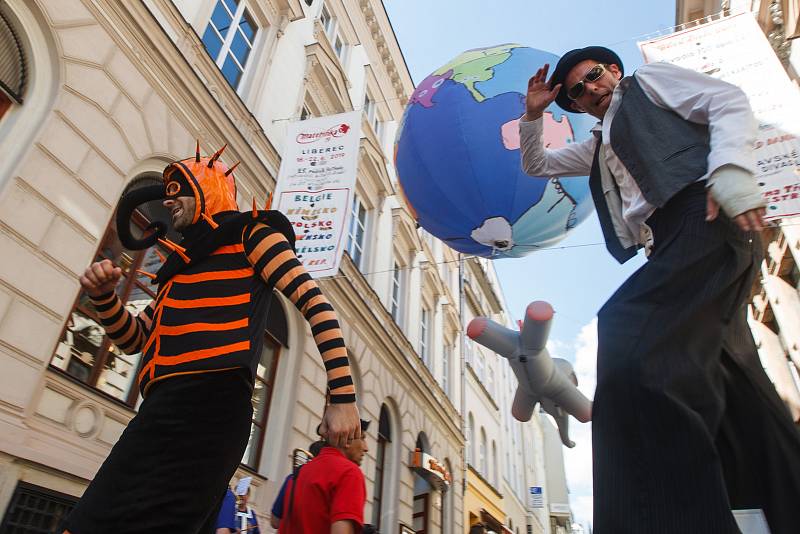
column 463, row 347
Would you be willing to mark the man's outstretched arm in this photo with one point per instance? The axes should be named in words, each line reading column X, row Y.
column 126, row 331
column 273, row 258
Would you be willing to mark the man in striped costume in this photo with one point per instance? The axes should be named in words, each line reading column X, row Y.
column 201, row 340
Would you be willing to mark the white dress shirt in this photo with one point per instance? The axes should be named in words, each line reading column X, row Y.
column 693, row 96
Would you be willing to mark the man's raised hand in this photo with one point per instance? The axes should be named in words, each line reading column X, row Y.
column 100, row 278
column 539, row 94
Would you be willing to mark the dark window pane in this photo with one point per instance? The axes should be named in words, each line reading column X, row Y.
column 240, row 48
column 221, row 19
column 247, row 26
column 212, row 42
column 231, row 71
column 232, row 5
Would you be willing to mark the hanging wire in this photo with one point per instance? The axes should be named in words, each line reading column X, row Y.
column 412, row 267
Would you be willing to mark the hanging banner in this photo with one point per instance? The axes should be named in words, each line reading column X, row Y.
column 316, row 184
column 735, row 49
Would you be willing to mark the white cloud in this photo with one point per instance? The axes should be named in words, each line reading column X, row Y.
column 578, row 460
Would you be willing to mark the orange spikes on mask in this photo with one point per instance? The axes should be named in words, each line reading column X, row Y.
column 160, row 255
column 151, row 276
column 229, row 171
column 255, row 209
column 268, row 205
column 179, row 250
column 197, row 152
column 211, row 222
column 216, row 156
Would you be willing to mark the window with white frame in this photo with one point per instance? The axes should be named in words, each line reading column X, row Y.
column 357, row 231
column 490, row 380
column 229, row 38
column 447, row 355
column 480, row 369
column 371, row 111
column 424, row 333
column 397, row 293
column 339, row 46
column 331, row 26
column 482, row 454
column 327, row 21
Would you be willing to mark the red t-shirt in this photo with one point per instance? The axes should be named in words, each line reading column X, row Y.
column 330, row 488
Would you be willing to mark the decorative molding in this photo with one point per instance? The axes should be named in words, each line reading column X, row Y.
column 404, row 232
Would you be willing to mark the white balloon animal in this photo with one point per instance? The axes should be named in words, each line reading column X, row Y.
column 541, row 378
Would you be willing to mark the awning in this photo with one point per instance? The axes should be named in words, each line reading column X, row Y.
column 494, row 524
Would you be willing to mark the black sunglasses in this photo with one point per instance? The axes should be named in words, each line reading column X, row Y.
column 594, row 74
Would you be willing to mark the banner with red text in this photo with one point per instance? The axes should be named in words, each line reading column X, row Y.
column 316, row 184
column 735, row 49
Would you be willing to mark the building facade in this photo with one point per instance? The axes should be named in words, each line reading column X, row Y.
column 98, row 96
column 774, row 311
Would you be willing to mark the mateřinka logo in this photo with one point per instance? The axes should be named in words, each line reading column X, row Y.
column 335, row 131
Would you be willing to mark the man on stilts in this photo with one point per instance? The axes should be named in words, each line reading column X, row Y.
column 201, row 340
column 686, row 425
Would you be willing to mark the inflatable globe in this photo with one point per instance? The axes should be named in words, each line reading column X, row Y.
column 458, row 160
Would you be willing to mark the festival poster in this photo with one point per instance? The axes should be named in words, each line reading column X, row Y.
column 735, row 49
column 316, row 184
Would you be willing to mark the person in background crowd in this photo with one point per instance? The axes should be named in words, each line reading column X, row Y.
column 277, row 506
column 327, row 494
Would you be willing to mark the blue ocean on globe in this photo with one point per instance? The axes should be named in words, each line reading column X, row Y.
column 458, row 160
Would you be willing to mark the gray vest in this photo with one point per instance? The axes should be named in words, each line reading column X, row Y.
column 663, row 152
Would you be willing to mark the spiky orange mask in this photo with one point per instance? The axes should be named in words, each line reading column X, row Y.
column 207, row 179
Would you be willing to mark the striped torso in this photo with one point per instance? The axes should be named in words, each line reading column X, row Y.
column 209, row 317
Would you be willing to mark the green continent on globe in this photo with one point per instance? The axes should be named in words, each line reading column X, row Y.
column 476, row 66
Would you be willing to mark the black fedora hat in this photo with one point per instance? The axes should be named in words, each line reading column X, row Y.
column 600, row 54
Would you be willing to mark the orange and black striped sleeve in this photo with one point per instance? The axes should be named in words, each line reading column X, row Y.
column 126, row 331
column 273, row 258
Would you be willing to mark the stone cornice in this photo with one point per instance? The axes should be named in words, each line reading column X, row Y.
column 404, row 231
column 391, row 57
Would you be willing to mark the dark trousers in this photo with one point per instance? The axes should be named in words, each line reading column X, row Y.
column 686, row 425
column 170, row 468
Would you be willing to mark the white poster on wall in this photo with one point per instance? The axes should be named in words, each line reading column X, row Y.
column 735, row 49
column 316, row 184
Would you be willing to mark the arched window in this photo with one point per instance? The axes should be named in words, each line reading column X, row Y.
column 495, row 476
column 470, row 440
column 275, row 337
column 84, row 352
column 384, row 439
column 482, row 454
column 13, row 67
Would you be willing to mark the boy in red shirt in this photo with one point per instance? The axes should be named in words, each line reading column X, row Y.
column 327, row 494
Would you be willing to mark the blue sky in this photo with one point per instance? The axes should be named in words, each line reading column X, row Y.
column 578, row 279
